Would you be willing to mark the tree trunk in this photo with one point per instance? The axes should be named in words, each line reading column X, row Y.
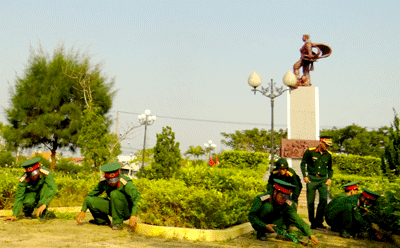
column 53, row 160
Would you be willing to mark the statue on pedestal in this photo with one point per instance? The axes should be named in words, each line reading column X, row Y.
column 307, row 59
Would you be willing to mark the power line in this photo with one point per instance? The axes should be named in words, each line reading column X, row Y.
column 204, row 120
column 232, row 122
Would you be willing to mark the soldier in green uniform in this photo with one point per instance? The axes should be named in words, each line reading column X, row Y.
column 316, row 167
column 122, row 201
column 346, row 216
column 284, row 173
column 350, row 188
column 35, row 188
column 274, row 208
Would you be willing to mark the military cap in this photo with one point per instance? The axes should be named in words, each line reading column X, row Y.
column 111, row 171
column 326, row 139
column 32, row 166
column 370, row 194
column 351, row 185
column 281, row 164
column 284, row 187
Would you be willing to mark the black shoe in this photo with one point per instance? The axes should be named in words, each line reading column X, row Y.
column 315, row 226
column 99, row 223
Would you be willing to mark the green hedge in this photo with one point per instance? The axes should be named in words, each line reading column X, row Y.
column 173, row 203
column 244, row 160
column 222, row 179
column 357, row 165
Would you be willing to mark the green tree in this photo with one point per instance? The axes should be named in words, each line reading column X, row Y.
column 254, row 140
column 357, row 140
column 93, row 139
column 196, row 152
column 48, row 101
column 148, row 159
column 391, row 157
column 167, row 156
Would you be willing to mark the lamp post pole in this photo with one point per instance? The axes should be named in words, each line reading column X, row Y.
column 254, row 81
column 145, row 119
column 209, row 147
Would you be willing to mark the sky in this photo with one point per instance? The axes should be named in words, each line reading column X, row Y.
column 188, row 62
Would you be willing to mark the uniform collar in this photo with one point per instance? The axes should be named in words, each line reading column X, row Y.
column 319, row 151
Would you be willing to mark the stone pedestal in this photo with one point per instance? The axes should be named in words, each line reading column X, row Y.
column 302, row 118
column 303, row 129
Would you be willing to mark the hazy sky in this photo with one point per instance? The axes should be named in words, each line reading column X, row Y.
column 189, row 61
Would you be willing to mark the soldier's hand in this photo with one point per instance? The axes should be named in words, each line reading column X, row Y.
column 12, row 218
column 132, row 222
column 270, row 227
column 80, row 217
column 328, row 182
column 314, row 240
column 40, row 210
column 306, row 180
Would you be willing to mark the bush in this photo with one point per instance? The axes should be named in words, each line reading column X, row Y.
column 6, row 159
column 8, row 186
column 388, row 209
column 173, row 203
column 221, row 179
column 243, row 160
column 71, row 191
column 68, row 167
column 357, row 165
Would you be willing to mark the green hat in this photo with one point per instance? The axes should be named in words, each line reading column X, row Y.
column 281, row 164
column 111, row 172
column 284, row 187
column 370, row 194
column 32, row 166
column 351, row 185
column 110, row 167
column 31, row 162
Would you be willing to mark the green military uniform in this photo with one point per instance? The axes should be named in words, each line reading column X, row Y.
column 318, row 168
column 31, row 193
column 266, row 211
column 332, row 205
column 346, row 216
column 290, row 177
column 121, row 203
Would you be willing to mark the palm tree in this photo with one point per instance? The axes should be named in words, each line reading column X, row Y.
column 195, row 152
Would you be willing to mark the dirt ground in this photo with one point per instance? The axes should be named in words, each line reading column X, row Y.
column 67, row 233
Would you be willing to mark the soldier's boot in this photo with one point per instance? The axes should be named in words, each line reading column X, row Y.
column 261, row 236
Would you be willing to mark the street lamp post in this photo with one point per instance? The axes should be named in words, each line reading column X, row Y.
column 254, row 81
column 209, row 147
column 145, row 119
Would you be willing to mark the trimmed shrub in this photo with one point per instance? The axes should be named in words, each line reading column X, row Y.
column 221, row 179
column 357, row 165
column 71, row 191
column 173, row 203
column 244, row 160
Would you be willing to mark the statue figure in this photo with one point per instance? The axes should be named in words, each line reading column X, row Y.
column 307, row 59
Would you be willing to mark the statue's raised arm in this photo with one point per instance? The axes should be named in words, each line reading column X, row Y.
column 307, row 59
